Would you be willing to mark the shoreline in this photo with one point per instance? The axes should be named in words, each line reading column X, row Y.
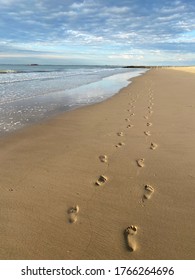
column 59, row 113
column 50, row 168
column 36, row 109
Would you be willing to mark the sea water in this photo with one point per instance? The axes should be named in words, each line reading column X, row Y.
column 30, row 93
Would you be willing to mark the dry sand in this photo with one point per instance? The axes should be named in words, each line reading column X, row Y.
column 115, row 180
column 190, row 69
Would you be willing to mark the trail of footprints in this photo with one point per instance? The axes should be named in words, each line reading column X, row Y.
column 131, row 231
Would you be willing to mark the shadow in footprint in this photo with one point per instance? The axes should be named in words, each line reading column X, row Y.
column 120, row 144
column 102, row 180
column 130, row 125
column 73, row 211
column 103, row 158
column 147, row 133
column 153, row 146
column 148, row 192
column 140, row 162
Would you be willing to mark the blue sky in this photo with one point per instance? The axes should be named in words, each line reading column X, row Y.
column 122, row 32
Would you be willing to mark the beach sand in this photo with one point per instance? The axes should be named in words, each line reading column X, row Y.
column 114, row 180
column 190, row 69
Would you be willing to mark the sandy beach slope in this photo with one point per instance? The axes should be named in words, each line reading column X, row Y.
column 115, row 180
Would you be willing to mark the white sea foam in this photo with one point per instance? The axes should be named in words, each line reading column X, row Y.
column 28, row 94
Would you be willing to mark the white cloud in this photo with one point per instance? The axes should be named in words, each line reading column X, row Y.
column 126, row 56
column 118, row 28
column 84, row 4
column 124, row 35
column 117, row 10
column 84, row 37
column 60, row 14
column 171, row 9
column 169, row 17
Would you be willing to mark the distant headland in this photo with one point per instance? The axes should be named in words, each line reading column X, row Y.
column 144, row 66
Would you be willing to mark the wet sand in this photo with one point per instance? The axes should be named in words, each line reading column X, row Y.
column 114, row 180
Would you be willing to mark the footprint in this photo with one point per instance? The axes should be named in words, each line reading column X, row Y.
column 102, row 179
column 73, row 211
column 130, row 125
column 120, row 134
column 149, row 190
column 150, row 112
column 149, row 124
column 153, row 146
column 120, row 144
column 127, row 120
column 130, row 232
column 103, row 158
column 132, row 114
column 140, row 162
column 147, row 133
column 146, row 117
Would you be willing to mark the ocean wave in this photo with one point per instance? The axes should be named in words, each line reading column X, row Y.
column 7, row 71
column 30, row 97
column 15, row 76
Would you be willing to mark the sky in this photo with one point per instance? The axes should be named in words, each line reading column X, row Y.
column 100, row 32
